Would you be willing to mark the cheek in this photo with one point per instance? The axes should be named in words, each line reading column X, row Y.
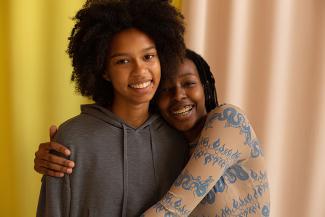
column 118, row 74
column 157, row 71
column 200, row 98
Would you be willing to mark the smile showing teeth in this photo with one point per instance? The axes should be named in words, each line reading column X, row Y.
column 140, row 85
column 183, row 110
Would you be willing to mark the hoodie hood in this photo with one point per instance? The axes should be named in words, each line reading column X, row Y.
column 106, row 115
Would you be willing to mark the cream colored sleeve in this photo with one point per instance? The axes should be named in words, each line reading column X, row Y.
column 222, row 143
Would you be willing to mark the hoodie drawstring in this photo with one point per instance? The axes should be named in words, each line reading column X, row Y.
column 153, row 154
column 125, row 172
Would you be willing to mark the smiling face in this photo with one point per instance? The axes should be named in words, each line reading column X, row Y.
column 181, row 98
column 133, row 68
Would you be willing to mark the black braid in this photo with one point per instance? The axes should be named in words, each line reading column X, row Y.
column 207, row 79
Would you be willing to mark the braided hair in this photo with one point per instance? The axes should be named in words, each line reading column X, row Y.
column 207, row 79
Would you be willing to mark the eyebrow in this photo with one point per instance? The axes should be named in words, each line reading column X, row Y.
column 126, row 54
column 187, row 74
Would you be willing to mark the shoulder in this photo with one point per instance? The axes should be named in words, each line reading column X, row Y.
column 77, row 127
column 228, row 113
column 233, row 119
column 75, row 123
column 228, row 108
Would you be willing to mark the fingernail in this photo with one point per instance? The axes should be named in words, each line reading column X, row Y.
column 69, row 171
column 71, row 164
column 67, row 152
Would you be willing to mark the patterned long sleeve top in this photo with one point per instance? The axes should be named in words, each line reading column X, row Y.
column 226, row 174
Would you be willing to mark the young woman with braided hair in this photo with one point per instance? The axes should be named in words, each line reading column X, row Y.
column 226, row 173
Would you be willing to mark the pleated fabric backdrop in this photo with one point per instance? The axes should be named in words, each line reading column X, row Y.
column 268, row 57
column 35, row 92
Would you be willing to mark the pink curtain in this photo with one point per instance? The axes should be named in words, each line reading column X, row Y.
column 268, row 57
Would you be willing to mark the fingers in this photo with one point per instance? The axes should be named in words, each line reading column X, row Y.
column 47, row 146
column 52, row 159
column 53, row 130
column 47, row 165
column 55, row 146
column 48, row 172
column 45, row 171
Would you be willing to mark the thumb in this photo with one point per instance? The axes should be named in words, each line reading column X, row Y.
column 53, row 130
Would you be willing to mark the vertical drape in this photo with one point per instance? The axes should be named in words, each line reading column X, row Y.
column 268, row 58
column 35, row 92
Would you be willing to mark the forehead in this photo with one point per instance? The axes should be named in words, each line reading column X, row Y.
column 186, row 69
column 129, row 40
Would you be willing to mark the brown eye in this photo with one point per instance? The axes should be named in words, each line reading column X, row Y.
column 122, row 61
column 189, row 84
column 148, row 57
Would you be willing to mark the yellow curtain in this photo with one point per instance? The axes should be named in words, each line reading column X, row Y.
column 35, row 91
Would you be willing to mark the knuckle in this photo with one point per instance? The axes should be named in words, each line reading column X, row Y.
column 47, row 164
column 50, row 158
column 62, row 169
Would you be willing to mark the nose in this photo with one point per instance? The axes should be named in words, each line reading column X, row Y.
column 140, row 67
column 179, row 93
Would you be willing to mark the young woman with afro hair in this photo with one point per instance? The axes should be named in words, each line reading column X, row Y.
column 126, row 155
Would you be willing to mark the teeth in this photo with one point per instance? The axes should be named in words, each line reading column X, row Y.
column 183, row 110
column 141, row 85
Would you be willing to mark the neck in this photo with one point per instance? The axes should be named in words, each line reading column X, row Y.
column 133, row 115
column 193, row 133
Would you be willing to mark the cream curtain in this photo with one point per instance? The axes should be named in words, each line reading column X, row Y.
column 268, row 57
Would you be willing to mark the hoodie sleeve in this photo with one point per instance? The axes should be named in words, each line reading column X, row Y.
column 54, row 198
column 223, row 142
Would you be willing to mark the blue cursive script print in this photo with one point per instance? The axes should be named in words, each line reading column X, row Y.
column 236, row 119
column 170, row 202
column 215, row 153
column 195, row 184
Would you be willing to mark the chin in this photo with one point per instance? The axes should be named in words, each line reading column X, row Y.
column 183, row 127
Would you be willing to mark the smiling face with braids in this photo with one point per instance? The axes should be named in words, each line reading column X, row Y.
column 186, row 96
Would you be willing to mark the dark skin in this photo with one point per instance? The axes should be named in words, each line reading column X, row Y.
column 43, row 158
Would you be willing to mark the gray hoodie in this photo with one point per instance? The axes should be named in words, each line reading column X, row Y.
column 120, row 170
